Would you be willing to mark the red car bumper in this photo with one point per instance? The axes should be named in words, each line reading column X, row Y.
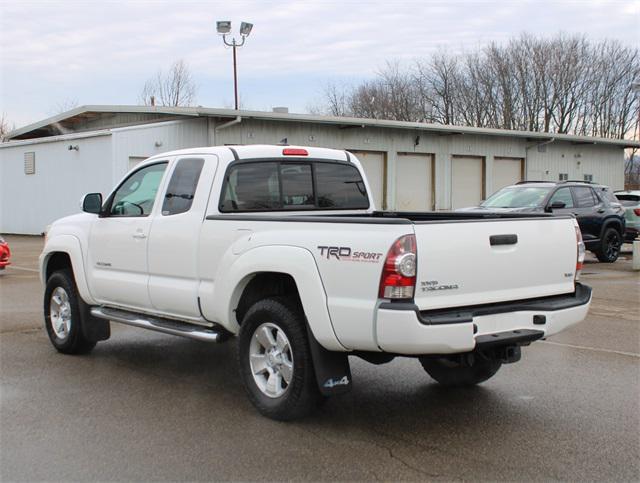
column 5, row 254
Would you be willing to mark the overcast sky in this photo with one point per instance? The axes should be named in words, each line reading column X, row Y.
column 101, row 52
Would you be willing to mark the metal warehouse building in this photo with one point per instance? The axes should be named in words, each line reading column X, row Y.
column 47, row 166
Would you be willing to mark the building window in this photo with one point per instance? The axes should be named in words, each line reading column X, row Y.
column 563, row 176
column 588, row 178
column 30, row 163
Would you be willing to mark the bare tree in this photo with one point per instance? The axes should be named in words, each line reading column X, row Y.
column 336, row 101
column 5, row 127
column 64, row 106
column 563, row 84
column 175, row 88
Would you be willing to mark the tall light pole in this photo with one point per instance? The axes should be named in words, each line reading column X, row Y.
column 224, row 28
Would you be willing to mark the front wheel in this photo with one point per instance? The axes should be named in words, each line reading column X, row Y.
column 460, row 370
column 610, row 248
column 62, row 315
column 275, row 360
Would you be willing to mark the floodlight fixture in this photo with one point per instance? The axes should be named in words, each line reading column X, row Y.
column 245, row 29
column 223, row 27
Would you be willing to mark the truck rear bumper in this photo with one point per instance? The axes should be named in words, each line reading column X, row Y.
column 403, row 329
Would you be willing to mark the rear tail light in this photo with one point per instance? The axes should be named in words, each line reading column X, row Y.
column 636, row 211
column 294, row 152
column 398, row 279
column 580, row 251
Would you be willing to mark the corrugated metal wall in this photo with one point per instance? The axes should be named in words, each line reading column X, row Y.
column 151, row 139
column 605, row 164
column 29, row 202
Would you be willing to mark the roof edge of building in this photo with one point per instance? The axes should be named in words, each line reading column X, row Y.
column 53, row 139
column 329, row 120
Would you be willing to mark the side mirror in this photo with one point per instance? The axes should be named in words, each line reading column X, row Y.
column 92, row 203
column 556, row 205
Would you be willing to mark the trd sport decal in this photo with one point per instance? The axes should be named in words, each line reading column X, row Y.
column 346, row 254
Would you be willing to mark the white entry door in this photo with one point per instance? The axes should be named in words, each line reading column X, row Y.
column 414, row 182
column 466, row 181
column 373, row 165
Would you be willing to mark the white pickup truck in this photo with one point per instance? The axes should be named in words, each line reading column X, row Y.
column 282, row 247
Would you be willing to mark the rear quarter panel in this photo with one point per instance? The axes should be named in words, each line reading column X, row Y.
column 346, row 260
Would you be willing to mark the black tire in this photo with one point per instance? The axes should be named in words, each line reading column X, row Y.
column 610, row 246
column 73, row 341
column 301, row 395
column 461, row 370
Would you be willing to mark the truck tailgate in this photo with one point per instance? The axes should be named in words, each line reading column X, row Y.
column 475, row 262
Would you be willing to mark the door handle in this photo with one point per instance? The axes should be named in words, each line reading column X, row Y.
column 495, row 240
column 139, row 236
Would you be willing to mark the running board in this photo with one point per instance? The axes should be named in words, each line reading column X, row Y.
column 157, row 324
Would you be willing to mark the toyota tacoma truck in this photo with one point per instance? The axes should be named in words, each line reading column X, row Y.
column 281, row 249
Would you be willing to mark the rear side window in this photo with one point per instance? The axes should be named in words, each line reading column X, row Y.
column 182, row 186
column 282, row 186
column 584, row 196
column 607, row 195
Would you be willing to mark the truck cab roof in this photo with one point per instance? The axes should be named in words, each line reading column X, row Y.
column 260, row 151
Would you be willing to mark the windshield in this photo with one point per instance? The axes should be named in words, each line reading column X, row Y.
column 517, row 197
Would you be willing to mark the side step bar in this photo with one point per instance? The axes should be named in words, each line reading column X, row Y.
column 157, row 324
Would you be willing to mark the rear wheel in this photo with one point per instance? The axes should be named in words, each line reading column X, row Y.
column 460, row 370
column 610, row 246
column 62, row 315
column 275, row 360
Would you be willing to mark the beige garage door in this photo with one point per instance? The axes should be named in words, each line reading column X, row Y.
column 507, row 171
column 414, row 182
column 467, row 181
column 373, row 163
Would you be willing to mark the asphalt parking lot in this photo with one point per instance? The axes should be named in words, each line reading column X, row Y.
column 144, row 406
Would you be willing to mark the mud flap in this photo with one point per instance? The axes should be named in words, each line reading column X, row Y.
column 332, row 369
column 93, row 328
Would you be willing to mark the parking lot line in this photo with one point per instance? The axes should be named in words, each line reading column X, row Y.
column 23, row 268
column 595, row 349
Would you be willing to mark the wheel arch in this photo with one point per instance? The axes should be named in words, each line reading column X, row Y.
column 277, row 270
column 64, row 251
column 612, row 223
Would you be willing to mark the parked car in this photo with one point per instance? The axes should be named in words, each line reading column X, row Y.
column 282, row 247
column 630, row 200
column 599, row 214
column 5, row 254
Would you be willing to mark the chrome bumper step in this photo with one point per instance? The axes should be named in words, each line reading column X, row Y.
column 157, row 324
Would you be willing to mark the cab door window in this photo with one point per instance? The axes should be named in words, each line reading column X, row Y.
column 562, row 195
column 136, row 195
